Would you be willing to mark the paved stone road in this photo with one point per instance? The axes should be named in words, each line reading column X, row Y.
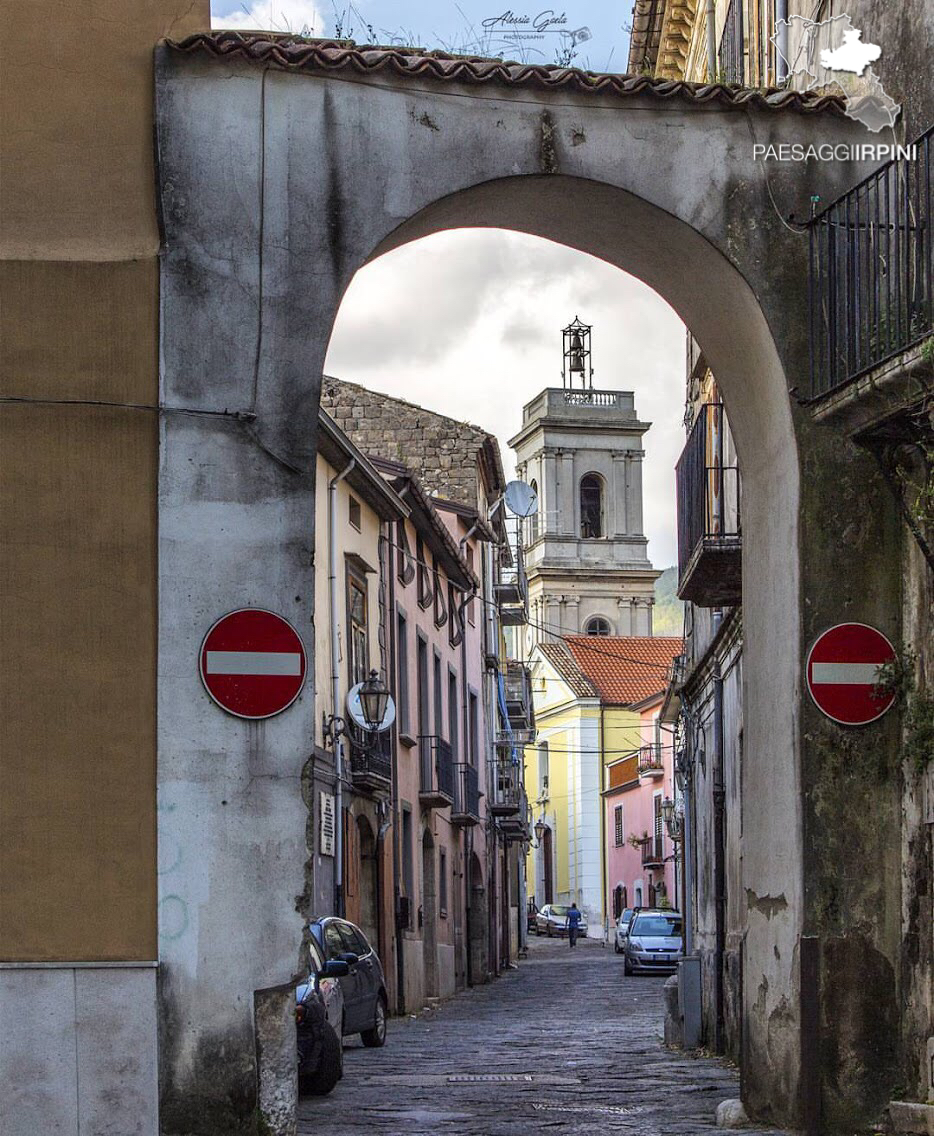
column 581, row 1042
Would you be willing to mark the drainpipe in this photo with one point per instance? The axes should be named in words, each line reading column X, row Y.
column 397, row 837
column 711, row 41
column 603, row 856
column 335, row 689
column 719, row 825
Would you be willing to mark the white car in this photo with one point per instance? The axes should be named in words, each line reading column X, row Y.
column 553, row 920
column 621, row 932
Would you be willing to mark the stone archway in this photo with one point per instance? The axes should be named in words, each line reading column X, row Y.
column 282, row 169
column 368, row 880
column 478, row 924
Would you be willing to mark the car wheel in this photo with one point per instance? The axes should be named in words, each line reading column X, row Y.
column 548, row 931
column 330, row 1066
column 617, row 948
column 376, row 1037
column 627, row 966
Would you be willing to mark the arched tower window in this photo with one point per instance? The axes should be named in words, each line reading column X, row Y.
column 533, row 519
column 597, row 626
column 591, row 506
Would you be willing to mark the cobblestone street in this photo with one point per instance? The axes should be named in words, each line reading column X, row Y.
column 577, row 1045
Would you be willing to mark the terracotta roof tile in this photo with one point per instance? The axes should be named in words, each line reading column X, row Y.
column 625, row 668
column 560, row 658
column 295, row 53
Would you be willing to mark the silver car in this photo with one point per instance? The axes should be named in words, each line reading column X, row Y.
column 622, row 930
column 654, row 944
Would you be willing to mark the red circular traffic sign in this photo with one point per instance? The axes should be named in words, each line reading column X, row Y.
column 253, row 663
column 842, row 673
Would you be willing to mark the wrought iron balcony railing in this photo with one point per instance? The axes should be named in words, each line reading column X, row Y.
column 872, row 271
column 709, row 535
column 653, row 852
column 436, row 772
column 517, row 689
column 507, row 781
column 466, row 807
column 515, row 826
column 650, row 761
column 371, row 761
column 511, row 591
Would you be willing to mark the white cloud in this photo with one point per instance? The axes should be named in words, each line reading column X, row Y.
column 299, row 17
column 468, row 323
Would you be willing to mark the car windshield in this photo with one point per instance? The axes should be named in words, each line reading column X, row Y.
column 656, row 926
column 625, row 918
column 560, row 911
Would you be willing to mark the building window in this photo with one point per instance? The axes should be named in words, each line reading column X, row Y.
column 402, row 658
column 452, row 711
column 405, row 566
column 456, row 625
column 533, row 517
column 358, row 654
column 473, row 715
column 441, row 608
column 597, row 626
column 442, row 881
column 471, row 607
column 424, row 575
column 591, row 506
column 543, row 770
column 355, row 512
column 439, row 698
column 618, row 826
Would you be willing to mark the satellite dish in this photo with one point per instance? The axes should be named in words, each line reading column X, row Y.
column 521, row 499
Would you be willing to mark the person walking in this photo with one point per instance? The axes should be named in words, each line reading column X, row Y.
column 573, row 922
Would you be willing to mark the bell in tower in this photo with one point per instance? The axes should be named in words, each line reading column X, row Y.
column 576, row 361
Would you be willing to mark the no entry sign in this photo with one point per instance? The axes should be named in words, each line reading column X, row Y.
column 253, row 663
column 842, row 672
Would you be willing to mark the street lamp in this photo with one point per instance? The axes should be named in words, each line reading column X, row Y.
column 374, row 698
column 673, row 818
column 540, row 828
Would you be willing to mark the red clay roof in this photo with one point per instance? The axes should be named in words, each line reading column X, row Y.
column 559, row 657
column 625, row 668
column 296, row 53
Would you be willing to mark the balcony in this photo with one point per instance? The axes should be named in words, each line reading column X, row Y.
column 371, row 764
column 511, row 591
column 504, row 800
column 650, row 762
column 872, row 273
column 436, row 772
column 653, row 854
column 709, row 532
column 517, row 693
column 466, row 808
column 515, row 826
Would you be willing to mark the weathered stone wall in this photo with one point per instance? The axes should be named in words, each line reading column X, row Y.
column 440, row 451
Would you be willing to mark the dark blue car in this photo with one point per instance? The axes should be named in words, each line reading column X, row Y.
column 364, row 986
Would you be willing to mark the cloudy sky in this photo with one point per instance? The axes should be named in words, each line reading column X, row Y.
column 468, row 323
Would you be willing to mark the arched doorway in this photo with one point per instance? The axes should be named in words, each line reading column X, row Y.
column 429, row 916
column 368, row 880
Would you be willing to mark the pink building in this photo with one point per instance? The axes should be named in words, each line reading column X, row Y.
column 642, row 866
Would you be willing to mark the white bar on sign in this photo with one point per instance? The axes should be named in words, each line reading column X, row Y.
column 845, row 674
column 253, row 663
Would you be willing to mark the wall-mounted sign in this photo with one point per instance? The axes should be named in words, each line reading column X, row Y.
column 326, row 824
column 842, row 673
column 253, row 663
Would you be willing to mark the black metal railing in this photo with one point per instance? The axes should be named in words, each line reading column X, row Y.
column 371, row 759
column 707, row 489
column 653, row 851
column 436, row 767
column 732, row 51
column 507, row 782
column 517, row 689
column 467, row 795
column 871, row 275
column 650, row 758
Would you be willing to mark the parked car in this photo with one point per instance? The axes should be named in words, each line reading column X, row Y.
column 622, row 929
column 319, row 1009
column 552, row 920
column 365, row 1001
column 654, row 943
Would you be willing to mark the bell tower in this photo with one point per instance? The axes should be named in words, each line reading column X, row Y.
column 586, row 552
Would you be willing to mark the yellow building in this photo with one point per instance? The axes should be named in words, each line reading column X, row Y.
column 587, row 691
